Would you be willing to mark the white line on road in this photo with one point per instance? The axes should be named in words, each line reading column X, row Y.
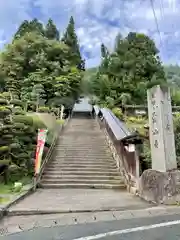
column 129, row 230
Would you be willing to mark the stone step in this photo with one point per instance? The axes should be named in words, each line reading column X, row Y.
column 84, row 186
column 79, row 162
column 83, row 158
column 82, row 155
column 78, row 132
column 83, row 144
column 83, row 135
column 89, row 169
column 84, row 177
column 85, row 155
column 65, row 165
column 82, row 149
column 75, row 141
column 101, row 157
column 80, row 138
column 79, row 181
column 56, row 171
column 85, row 127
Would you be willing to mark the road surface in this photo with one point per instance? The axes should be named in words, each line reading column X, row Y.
column 150, row 228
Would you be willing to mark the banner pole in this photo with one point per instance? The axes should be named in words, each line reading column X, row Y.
column 34, row 182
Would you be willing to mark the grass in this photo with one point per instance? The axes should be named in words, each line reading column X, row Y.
column 8, row 188
column 135, row 126
column 60, row 121
column 134, row 123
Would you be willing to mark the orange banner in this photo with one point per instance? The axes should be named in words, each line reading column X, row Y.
column 39, row 149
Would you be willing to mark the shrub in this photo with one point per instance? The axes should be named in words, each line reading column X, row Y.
column 16, row 102
column 37, row 123
column 93, row 101
column 43, row 109
column 3, row 101
column 60, row 121
column 177, row 135
column 55, row 111
column 117, row 112
column 4, row 149
column 137, row 120
column 28, row 120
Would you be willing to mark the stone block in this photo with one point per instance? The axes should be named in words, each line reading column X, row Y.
column 160, row 187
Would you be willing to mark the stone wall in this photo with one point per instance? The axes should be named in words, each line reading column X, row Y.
column 125, row 161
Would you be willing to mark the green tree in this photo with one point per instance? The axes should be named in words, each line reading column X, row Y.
column 125, row 98
column 69, row 85
column 36, row 58
column 70, row 39
column 130, row 69
column 51, row 31
column 37, row 71
column 28, row 27
column 37, row 94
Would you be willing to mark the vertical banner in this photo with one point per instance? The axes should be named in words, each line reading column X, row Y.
column 39, row 149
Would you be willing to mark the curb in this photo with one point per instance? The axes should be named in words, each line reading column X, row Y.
column 25, row 212
column 151, row 210
column 84, row 218
column 46, row 212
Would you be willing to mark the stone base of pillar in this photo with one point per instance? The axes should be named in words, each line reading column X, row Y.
column 160, row 187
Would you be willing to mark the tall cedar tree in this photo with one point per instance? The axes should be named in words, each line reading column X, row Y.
column 51, row 32
column 71, row 40
column 29, row 26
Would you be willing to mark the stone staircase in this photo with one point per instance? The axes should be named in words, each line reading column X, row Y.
column 82, row 159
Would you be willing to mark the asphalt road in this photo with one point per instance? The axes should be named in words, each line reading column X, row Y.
column 151, row 228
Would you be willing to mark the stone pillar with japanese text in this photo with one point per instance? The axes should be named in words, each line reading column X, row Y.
column 161, row 131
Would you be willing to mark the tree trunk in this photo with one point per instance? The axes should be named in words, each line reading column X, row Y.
column 62, row 111
column 37, row 105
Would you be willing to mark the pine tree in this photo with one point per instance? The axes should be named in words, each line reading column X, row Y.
column 29, row 26
column 51, row 31
column 70, row 39
column 37, row 94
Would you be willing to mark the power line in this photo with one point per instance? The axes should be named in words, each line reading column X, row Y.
column 156, row 21
column 130, row 24
column 162, row 8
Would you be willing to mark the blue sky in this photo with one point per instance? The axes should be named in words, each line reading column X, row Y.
column 100, row 21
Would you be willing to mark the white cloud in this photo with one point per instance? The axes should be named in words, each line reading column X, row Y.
column 12, row 13
column 99, row 21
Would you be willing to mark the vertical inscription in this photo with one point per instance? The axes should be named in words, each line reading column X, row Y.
column 161, row 129
column 155, row 130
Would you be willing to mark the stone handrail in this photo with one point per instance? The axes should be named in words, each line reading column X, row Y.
column 116, row 133
column 48, row 156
